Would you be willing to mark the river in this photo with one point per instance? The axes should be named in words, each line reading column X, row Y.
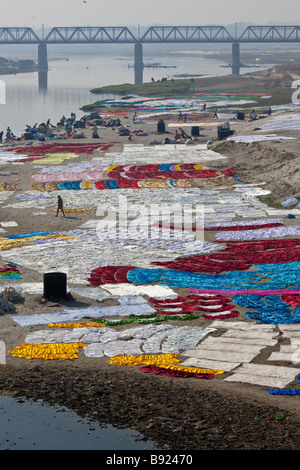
column 74, row 70
column 28, row 425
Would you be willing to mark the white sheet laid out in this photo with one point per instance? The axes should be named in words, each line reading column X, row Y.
column 249, row 139
column 264, row 233
column 95, row 293
column 282, row 124
column 6, row 157
column 28, row 287
column 265, row 375
column 11, row 223
column 105, row 341
column 241, row 343
column 162, row 292
column 127, row 305
column 205, row 363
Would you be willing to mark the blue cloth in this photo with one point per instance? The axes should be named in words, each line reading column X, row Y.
column 283, row 391
column 165, row 166
column 265, row 277
column 27, row 235
column 238, row 179
column 70, row 185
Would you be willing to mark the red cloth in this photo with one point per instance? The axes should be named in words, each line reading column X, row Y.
column 238, row 256
column 173, row 373
column 291, row 299
column 57, row 147
column 232, row 314
column 109, row 275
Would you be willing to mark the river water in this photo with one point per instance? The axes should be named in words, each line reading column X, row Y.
column 27, row 425
column 74, row 70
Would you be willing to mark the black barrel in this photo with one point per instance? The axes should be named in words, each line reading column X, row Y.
column 195, row 131
column 55, row 285
column 240, row 115
column 223, row 132
column 161, row 127
column 28, row 135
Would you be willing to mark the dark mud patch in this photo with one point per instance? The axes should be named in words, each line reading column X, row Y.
column 178, row 414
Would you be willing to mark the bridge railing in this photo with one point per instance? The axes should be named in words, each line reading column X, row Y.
column 112, row 34
column 18, row 36
column 167, row 34
column 270, row 34
column 154, row 34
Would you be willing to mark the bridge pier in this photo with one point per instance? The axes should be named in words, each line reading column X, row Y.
column 138, row 63
column 42, row 66
column 235, row 58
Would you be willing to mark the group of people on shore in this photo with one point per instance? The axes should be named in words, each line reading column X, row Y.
column 69, row 125
column 8, row 136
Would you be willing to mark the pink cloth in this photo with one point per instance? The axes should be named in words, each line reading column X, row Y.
column 250, row 292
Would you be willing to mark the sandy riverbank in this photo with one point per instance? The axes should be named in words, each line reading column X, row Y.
column 178, row 413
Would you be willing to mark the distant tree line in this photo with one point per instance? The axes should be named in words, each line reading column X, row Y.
column 8, row 66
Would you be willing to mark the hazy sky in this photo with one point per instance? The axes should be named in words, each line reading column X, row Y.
column 35, row 13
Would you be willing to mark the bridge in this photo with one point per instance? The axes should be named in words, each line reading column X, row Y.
column 153, row 35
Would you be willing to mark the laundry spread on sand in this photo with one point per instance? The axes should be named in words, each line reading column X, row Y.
column 289, row 121
column 197, row 106
column 9, row 270
column 214, row 306
column 136, row 305
column 106, row 341
column 9, row 242
column 9, row 186
column 236, row 261
column 131, row 176
column 268, row 309
column 47, row 351
column 249, row 139
column 57, row 148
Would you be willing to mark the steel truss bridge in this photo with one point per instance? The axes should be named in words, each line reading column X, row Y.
column 153, row 35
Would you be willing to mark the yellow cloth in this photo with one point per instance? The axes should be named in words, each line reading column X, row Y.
column 7, row 186
column 111, row 168
column 48, row 186
column 133, row 360
column 86, row 184
column 50, row 235
column 47, row 351
column 196, row 370
column 54, row 158
column 162, row 360
column 8, row 243
column 198, row 166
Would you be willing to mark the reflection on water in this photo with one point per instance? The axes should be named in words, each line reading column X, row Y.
column 26, row 425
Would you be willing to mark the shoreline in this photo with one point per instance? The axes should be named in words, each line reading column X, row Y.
column 260, row 80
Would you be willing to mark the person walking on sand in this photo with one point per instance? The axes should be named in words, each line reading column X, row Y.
column 60, row 206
